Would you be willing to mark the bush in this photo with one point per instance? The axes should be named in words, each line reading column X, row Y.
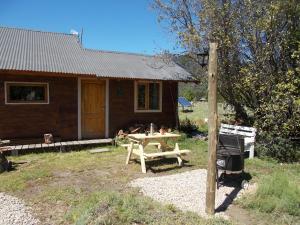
column 187, row 126
column 281, row 149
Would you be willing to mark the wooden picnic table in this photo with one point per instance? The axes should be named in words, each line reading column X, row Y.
column 141, row 141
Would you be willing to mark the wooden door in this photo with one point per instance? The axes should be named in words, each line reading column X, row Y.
column 92, row 109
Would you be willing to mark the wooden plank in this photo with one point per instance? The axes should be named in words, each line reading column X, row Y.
column 31, row 146
column 5, row 149
column 99, row 150
column 57, row 144
column 63, row 143
column 44, row 145
column 129, row 149
column 154, row 136
column 69, row 143
column 18, row 147
column 76, row 143
column 84, row 142
column 51, row 145
column 10, row 147
column 2, row 142
column 169, row 153
column 150, row 144
column 38, row 146
column 25, row 147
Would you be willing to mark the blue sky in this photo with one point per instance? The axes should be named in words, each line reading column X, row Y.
column 117, row 25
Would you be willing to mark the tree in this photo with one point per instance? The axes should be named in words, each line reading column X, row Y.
column 258, row 52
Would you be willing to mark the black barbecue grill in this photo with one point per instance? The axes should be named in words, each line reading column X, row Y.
column 230, row 156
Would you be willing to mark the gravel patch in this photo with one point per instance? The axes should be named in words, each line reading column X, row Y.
column 185, row 190
column 13, row 211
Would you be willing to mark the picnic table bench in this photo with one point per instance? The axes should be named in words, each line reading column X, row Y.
column 139, row 142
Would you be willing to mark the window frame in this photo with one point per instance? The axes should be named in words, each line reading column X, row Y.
column 147, row 110
column 7, row 84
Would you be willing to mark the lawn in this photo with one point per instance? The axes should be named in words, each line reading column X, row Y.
column 200, row 112
column 83, row 188
column 277, row 200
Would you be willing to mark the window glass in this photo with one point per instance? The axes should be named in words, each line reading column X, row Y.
column 148, row 96
column 26, row 93
column 141, row 96
column 153, row 96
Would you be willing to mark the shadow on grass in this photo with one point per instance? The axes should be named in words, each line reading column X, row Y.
column 161, row 165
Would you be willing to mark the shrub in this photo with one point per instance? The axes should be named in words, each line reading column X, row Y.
column 281, row 149
column 187, row 126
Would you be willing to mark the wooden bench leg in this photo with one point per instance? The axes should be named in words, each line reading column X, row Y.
column 178, row 155
column 142, row 158
column 251, row 152
column 130, row 148
column 159, row 147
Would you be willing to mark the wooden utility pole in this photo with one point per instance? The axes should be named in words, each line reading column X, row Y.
column 212, row 129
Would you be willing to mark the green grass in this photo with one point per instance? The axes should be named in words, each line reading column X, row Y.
column 277, row 199
column 118, row 209
column 278, row 187
column 277, row 194
column 200, row 111
column 84, row 188
column 199, row 114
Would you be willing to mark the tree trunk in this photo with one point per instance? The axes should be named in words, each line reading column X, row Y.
column 241, row 114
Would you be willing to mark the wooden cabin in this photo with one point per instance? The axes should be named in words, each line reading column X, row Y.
column 50, row 83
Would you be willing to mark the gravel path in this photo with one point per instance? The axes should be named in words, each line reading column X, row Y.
column 184, row 190
column 13, row 211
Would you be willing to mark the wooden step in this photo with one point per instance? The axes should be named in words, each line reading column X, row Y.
column 58, row 145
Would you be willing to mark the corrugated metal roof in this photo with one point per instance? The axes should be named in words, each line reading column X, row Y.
column 27, row 50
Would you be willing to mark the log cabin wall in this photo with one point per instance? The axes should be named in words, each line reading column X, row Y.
column 59, row 117
column 121, row 106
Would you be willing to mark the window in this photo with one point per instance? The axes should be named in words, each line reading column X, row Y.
column 26, row 93
column 148, row 96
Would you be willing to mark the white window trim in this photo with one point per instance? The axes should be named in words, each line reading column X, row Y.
column 136, row 110
column 26, row 103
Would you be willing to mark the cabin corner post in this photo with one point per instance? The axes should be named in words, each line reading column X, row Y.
column 107, row 108
column 79, row 107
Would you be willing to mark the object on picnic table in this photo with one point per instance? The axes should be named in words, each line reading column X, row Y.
column 162, row 130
